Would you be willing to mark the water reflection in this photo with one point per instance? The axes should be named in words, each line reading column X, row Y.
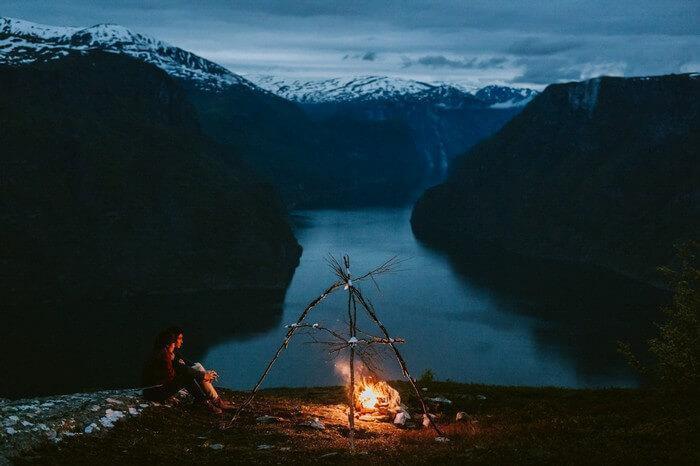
column 469, row 317
column 581, row 311
column 68, row 347
column 473, row 316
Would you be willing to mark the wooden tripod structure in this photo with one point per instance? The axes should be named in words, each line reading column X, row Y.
column 355, row 297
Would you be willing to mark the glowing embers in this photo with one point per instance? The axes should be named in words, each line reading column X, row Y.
column 376, row 400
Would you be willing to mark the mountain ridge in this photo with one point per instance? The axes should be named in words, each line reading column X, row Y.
column 23, row 42
column 602, row 172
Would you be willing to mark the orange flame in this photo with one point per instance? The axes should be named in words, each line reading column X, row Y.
column 376, row 396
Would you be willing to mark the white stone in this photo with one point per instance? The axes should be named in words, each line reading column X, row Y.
column 439, row 399
column 400, row 419
column 27, row 424
column 10, row 430
column 480, row 397
column 442, row 439
column 315, row 423
column 265, row 446
column 216, row 446
column 92, row 427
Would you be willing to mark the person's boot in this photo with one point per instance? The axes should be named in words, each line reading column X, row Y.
column 223, row 404
column 212, row 407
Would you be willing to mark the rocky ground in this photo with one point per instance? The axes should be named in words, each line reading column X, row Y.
column 27, row 424
column 481, row 424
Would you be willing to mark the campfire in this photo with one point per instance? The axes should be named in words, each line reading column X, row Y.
column 369, row 399
column 376, row 398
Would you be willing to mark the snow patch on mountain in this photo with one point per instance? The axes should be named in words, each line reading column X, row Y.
column 375, row 88
column 24, row 42
column 341, row 89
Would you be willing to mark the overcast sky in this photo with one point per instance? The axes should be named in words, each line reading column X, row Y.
column 473, row 42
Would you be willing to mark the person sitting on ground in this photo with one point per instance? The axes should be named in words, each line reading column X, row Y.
column 163, row 382
column 193, row 369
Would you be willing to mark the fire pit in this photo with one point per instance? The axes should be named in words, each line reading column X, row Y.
column 369, row 399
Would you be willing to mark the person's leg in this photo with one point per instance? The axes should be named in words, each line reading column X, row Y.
column 190, row 384
column 209, row 390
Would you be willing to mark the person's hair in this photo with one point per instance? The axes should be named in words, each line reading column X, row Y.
column 164, row 339
column 175, row 330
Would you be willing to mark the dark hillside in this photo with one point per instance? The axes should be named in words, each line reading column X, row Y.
column 604, row 172
column 109, row 187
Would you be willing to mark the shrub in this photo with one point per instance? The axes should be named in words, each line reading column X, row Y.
column 675, row 352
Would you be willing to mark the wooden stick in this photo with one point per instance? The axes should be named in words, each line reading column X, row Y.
column 351, row 412
column 404, row 368
column 285, row 343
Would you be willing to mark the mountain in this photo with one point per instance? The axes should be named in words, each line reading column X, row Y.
column 109, row 186
column 444, row 120
column 308, row 162
column 603, row 172
column 23, row 42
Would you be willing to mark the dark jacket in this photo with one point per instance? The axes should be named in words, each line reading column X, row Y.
column 159, row 369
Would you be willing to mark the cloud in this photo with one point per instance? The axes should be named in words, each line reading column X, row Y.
column 479, row 41
column 369, row 56
column 536, row 46
column 440, row 61
column 366, row 56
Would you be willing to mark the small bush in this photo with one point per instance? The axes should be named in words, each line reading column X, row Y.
column 676, row 350
column 427, row 376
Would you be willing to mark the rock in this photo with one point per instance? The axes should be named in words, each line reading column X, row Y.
column 286, row 449
column 216, row 446
column 267, row 419
column 27, row 424
column 329, row 455
column 95, row 408
column 265, row 446
column 425, row 389
column 133, row 411
column 439, row 399
column 442, row 439
column 106, row 422
column 113, row 415
column 92, row 427
column 480, row 397
column 426, row 420
column 314, row 423
column 10, row 431
column 400, row 419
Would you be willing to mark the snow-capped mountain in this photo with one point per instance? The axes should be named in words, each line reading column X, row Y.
column 444, row 119
column 342, row 89
column 24, row 42
column 376, row 88
column 504, row 96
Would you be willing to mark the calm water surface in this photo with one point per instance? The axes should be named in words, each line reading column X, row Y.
column 470, row 319
column 473, row 317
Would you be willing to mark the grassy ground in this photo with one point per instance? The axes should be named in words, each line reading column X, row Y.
column 510, row 426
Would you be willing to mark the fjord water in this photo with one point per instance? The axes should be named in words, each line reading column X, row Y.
column 474, row 317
